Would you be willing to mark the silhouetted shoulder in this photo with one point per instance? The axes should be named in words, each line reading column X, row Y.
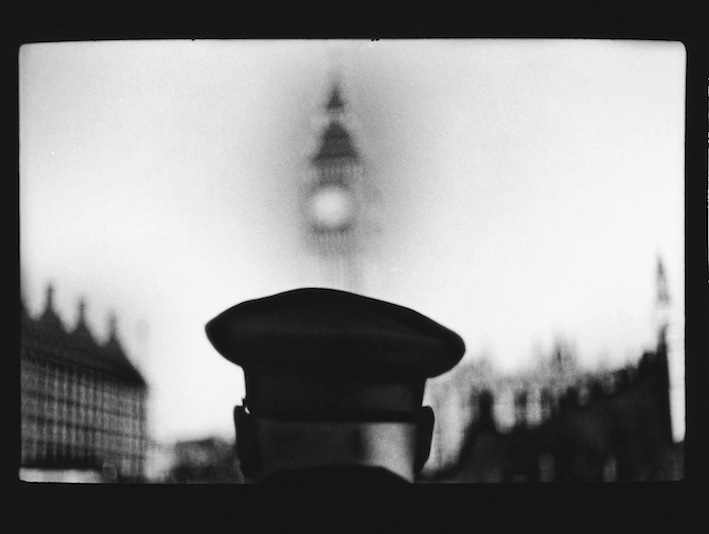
column 335, row 475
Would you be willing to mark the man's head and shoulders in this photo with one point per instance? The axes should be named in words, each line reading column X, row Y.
column 334, row 386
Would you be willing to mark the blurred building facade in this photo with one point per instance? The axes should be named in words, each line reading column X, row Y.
column 210, row 460
column 557, row 421
column 552, row 424
column 83, row 403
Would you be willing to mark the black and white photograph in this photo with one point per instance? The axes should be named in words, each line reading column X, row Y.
column 427, row 261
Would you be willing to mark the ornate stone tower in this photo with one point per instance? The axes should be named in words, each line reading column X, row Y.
column 670, row 336
column 337, row 202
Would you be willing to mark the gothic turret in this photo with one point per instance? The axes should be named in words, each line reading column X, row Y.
column 662, row 303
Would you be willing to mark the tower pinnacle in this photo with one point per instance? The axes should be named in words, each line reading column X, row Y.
column 50, row 315
column 336, row 105
column 662, row 302
column 336, row 196
column 112, row 326
column 663, row 295
column 49, row 299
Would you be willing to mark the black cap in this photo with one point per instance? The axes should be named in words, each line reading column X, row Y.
column 318, row 352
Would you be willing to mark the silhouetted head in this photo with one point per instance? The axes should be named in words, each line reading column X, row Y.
column 332, row 379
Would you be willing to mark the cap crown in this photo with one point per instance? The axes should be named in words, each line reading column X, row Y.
column 330, row 333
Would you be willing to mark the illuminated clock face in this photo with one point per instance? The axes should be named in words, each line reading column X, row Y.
column 331, row 207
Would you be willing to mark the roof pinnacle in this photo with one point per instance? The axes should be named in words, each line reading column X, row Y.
column 82, row 311
column 50, row 316
column 335, row 104
column 112, row 326
column 663, row 294
column 49, row 299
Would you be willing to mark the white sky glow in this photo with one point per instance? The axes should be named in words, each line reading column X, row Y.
column 527, row 187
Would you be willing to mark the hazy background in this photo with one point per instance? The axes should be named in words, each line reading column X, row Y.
column 527, row 190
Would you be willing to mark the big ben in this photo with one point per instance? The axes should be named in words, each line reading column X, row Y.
column 337, row 202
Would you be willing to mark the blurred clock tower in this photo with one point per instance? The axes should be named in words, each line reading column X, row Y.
column 337, row 203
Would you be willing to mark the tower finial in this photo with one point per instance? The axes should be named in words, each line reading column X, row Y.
column 662, row 304
column 50, row 316
column 335, row 105
column 663, row 294
column 81, row 321
column 82, row 329
column 112, row 326
column 49, row 300
column 82, row 311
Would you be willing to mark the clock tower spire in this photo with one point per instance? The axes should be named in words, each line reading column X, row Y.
column 335, row 195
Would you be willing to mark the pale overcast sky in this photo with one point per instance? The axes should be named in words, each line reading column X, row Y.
column 527, row 190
